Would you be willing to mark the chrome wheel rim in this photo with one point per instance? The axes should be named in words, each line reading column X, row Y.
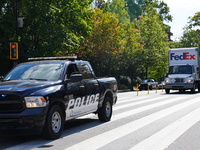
column 108, row 109
column 56, row 122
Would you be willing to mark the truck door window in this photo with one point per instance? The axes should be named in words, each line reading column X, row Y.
column 86, row 72
column 72, row 69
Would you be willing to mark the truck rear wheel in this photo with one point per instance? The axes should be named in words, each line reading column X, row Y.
column 105, row 112
column 54, row 123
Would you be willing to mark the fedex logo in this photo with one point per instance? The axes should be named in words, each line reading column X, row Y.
column 185, row 56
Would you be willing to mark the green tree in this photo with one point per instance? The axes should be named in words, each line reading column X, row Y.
column 128, row 61
column 51, row 27
column 99, row 3
column 118, row 7
column 7, row 31
column 112, row 47
column 137, row 7
column 195, row 20
column 154, row 34
column 103, row 42
column 191, row 33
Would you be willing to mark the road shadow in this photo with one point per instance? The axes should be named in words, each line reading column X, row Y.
column 181, row 92
column 71, row 127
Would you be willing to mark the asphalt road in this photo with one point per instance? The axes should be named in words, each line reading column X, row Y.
column 143, row 121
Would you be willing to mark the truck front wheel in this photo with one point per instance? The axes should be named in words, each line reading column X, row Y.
column 105, row 112
column 167, row 91
column 54, row 123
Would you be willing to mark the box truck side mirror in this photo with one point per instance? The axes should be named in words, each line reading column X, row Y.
column 166, row 74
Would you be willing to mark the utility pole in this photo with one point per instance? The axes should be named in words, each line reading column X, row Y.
column 14, row 44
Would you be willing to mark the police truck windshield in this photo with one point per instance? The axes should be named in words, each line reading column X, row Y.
column 36, row 71
column 187, row 69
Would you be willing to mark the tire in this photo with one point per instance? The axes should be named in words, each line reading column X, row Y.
column 105, row 112
column 54, row 124
column 198, row 87
column 192, row 90
column 167, row 91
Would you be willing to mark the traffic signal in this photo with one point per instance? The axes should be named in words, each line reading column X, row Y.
column 13, row 51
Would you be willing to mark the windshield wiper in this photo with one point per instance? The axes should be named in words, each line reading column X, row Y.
column 6, row 80
column 36, row 79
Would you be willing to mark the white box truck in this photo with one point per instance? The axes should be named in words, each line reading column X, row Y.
column 183, row 71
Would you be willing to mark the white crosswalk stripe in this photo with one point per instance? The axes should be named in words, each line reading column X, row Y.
column 163, row 118
column 163, row 138
column 132, row 126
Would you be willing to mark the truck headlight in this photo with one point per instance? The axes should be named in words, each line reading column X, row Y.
column 190, row 80
column 35, row 101
column 167, row 80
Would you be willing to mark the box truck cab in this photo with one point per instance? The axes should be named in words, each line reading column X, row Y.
column 183, row 71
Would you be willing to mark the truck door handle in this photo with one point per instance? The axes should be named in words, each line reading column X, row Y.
column 82, row 86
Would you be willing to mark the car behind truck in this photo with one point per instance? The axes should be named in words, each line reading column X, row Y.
column 37, row 97
column 148, row 84
column 183, row 70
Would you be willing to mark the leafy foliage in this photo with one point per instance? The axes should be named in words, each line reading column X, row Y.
column 191, row 33
column 122, row 38
column 154, row 54
column 51, row 27
column 103, row 42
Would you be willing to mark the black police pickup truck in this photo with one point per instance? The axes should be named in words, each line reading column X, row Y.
column 38, row 96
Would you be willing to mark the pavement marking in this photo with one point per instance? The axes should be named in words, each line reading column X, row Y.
column 130, row 99
column 137, row 110
column 101, row 140
column 144, row 108
column 137, row 103
column 166, row 136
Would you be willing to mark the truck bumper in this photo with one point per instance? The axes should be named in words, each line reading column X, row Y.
column 30, row 121
column 182, row 86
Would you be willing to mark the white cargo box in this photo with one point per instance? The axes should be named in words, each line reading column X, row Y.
column 184, row 56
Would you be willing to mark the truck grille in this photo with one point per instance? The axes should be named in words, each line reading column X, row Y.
column 179, row 80
column 10, row 103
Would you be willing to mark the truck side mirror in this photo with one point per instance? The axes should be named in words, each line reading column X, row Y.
column 166, row 74
column 1, row 78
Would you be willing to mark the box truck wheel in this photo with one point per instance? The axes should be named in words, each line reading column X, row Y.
column 199, row 87
column 192, row 90
column 167, row 91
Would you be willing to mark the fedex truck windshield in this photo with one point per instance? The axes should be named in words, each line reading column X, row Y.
column 183, row 69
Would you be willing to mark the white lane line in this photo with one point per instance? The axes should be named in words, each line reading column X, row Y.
column 137, row 103
column 101, row 140
column 144, row 108
column 130, row 99
column 166, row 136
column 137, row 110
column 116, row 117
